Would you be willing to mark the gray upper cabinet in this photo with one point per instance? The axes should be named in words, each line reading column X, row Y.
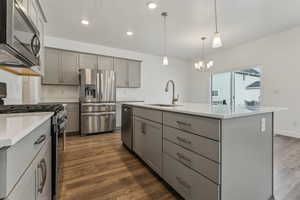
column 52, row 68
column 88, row 61
column 61, row 67
column 134, row 73
column 128, row 73
column 121, row 69
column 70, row 67
column 105, row 63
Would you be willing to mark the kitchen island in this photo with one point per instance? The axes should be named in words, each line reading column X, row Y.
column 208, row 152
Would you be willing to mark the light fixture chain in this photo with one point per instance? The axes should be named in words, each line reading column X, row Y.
column 216, row 16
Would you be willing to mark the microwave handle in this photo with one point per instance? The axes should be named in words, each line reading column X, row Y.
column 37, row 49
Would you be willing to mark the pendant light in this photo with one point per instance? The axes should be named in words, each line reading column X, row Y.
column 165, row 57
column 203, row 65
column 217, row 42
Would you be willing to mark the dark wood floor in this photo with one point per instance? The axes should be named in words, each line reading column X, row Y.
column 99, row 168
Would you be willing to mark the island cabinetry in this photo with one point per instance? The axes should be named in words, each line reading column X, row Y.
column 226, row 157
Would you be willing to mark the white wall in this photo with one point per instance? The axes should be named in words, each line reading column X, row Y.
column 278, row 55
column 154, row 75
column 14, row 87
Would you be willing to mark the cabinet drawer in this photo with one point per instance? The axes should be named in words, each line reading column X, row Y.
column 199, row 125
column 153, row 115
column 188, row 183
column 205, row 147
column 207, row 168
column 21, row 154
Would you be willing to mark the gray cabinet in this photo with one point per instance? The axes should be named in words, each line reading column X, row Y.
column 128, row 73
column 73, row 118
column 121, row 69
column 88, row 61
column 70, row 67
column 134, row 74
column 148, row 142
column 61, row 67
column 105, row 63
column 52, row 66
column 25, row 167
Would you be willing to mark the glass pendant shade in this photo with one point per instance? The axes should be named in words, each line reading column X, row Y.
column 217, row 41
column 165, row 61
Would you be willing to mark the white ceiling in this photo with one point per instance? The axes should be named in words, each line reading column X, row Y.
column 188, row 21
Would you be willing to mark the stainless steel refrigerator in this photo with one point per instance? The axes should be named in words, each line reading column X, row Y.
column 97, row 101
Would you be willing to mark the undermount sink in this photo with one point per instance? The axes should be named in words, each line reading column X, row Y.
column 165, row 105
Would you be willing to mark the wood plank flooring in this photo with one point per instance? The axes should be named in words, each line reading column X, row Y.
column 99, row 168
column 287, row 168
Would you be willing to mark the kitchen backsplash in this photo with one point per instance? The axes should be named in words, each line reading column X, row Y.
column 59, row 92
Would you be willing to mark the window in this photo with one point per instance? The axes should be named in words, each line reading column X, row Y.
column 237, row 88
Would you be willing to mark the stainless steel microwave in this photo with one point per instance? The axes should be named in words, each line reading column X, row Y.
column 19, row 37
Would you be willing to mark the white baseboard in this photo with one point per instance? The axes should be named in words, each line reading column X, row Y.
column 294, row 134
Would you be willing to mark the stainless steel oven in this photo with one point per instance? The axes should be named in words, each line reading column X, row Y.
column 19, row 38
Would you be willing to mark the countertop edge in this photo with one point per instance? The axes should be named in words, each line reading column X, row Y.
column 5, row 143
column 215, row 116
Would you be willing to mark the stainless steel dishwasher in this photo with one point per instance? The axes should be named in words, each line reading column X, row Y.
column 127, row 126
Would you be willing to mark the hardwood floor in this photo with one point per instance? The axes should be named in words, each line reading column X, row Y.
column 99, row 168
column 287, row 168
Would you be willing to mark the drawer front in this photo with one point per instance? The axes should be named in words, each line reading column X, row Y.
column 199, row 125
column 207, row 168
column 97, row 122
column 153, row 115
column 188, row 183
column 205, row 147
column 21, row 154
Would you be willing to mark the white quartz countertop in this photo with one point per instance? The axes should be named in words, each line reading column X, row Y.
column 14, row 127
column 213, row 111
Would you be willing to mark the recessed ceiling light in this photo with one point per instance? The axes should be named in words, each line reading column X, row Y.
column 152, row 5
column 85, row 22
column 129, row 33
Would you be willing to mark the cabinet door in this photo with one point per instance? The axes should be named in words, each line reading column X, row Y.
column 105, row 63
column 139, row 140
column 121, row 69
column 73, row 118
column 88, row 61
column 43, row 173
column 70, row 67
column 153, row 133
column 134, row 74
column 52, row 67
column 41, row 27
column 26, row 187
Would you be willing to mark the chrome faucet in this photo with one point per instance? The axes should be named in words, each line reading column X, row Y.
column 174, row 100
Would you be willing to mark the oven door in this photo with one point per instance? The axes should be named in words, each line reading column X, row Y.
column 24, row 37
column 97, row 122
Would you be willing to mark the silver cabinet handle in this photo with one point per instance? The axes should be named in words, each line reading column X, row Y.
column 183, row 157
column 183, row 123
column 40, row 140
column 183, row 183
column 143, row 128
column 43, row 166
column 183, row 140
